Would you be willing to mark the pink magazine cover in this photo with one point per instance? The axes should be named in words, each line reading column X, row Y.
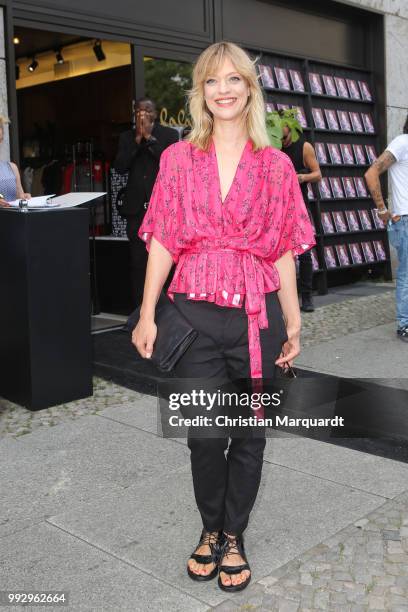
column 342, row 255
column 315, row 83
column 269, row 107
column 265, row 72
column 365, row 219
column 349, row 188
column 282, row 106
column 310, row 193
column 352, row 220
column 330, row 257
column 371, row 153
column 297, row 80
column 282, row 79
column 368, row 251
column 379, row 250
column 368, row 123
column 301, row 116
column 340, row 221
column 377, row 219
column 335, row 184
column 329, row 85
column 344, row 121
column 321, row 154
column 359, row 154
column 324, row 189
column 315, row 261
column 356, row 122
column 318, row 118
column 341, row 87
column 361, row 188
column 353, row 89
column 365, row 91
column 347, row 154
column 327, row 223
column 331, row 119
column 355, row 252
column 334, row 153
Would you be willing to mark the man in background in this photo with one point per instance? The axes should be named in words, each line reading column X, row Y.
column 395, row 159
column 303, row 157
column 139, row 153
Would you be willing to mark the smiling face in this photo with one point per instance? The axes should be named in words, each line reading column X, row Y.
column 226, row 92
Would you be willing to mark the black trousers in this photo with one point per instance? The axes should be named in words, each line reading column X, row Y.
column 226, row 483
column 306, row 273
column 138, row 259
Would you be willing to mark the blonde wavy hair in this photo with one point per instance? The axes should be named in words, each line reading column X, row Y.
column 254, row 111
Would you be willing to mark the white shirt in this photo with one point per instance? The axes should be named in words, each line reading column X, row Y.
column 399, row 174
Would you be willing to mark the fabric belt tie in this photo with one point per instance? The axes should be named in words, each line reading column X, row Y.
column 255, row 304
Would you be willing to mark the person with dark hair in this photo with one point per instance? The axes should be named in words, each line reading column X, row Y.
column 304, row 160
column 395, row 159
column 139, row 154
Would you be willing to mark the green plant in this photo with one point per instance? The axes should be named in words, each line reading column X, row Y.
column 277, row 120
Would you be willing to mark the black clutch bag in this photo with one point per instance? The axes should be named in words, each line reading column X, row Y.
column 174, row 333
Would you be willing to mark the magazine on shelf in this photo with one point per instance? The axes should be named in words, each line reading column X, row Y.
column 349, row 188
column 361, row 188
column 371, row 153
column 310, row 192
column 334, row 153
column 315, row 83
column 368, row 251
column 321, row 154
column 356, row 123
column 344, row 121
column 355, row 252
column 352, row 220
column 379, row 250
column 329, row 85
column 282, row 107
column 359, row 154
column 342, row 255
column 327, row 223
column 315, row 261
column 335, row 184
column 297, row 80
column 318, row 118
column 353, row 89
column 368, row 123
column 311, row 220
column 301, row 115
column 265, row 72
column 347, row 154
column 324, row 189
column 377, row 219
column 341, row 87
column 365, row 91
column 331, row 119
column 269, row 107
column 365, row 220
column 330, row 257
column 340, row 221
column 282, row 78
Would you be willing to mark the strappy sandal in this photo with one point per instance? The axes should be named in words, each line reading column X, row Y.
column 233, row 545
column 208, row 539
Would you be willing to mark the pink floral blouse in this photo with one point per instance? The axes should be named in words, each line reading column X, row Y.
column 225, row 251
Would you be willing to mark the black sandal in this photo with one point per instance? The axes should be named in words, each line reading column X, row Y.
column 213, row 557
column 233, row 545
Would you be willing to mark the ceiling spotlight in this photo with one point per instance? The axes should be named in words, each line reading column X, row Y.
column 33, row 66
column 17, row 72
column 97, row 49
column 59, row 57
column 16, row 40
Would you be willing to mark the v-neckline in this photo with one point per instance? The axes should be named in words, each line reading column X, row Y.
column 217, row 169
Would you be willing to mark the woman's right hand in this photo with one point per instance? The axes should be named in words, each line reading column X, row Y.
column 144, row 336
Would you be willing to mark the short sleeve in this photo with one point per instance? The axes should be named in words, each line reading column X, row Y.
column 399, row 147
column 297, row 233
column 162, row 219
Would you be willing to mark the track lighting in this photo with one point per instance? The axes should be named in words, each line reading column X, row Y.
column 97, row 49
column 33, row 66
column 16, row 40
column 59, row 57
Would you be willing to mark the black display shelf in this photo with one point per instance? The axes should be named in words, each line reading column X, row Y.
column 365, row 264
column 322, row 166
column 360, row 231
column 285, row 91
column 328, row 200
column 344, row 132
column 341, row 99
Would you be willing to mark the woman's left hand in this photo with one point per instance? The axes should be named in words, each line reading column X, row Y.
column 290, row 349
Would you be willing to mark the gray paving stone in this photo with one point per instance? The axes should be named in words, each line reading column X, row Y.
column 45, row 558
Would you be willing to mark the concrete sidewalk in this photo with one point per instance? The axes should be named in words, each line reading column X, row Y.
column 103, row 509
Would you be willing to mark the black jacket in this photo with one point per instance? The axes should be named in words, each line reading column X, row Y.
column 142, row 161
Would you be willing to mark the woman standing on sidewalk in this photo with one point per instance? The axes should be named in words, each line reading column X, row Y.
column 227, row 209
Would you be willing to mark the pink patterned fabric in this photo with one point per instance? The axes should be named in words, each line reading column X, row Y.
column 225, row 251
